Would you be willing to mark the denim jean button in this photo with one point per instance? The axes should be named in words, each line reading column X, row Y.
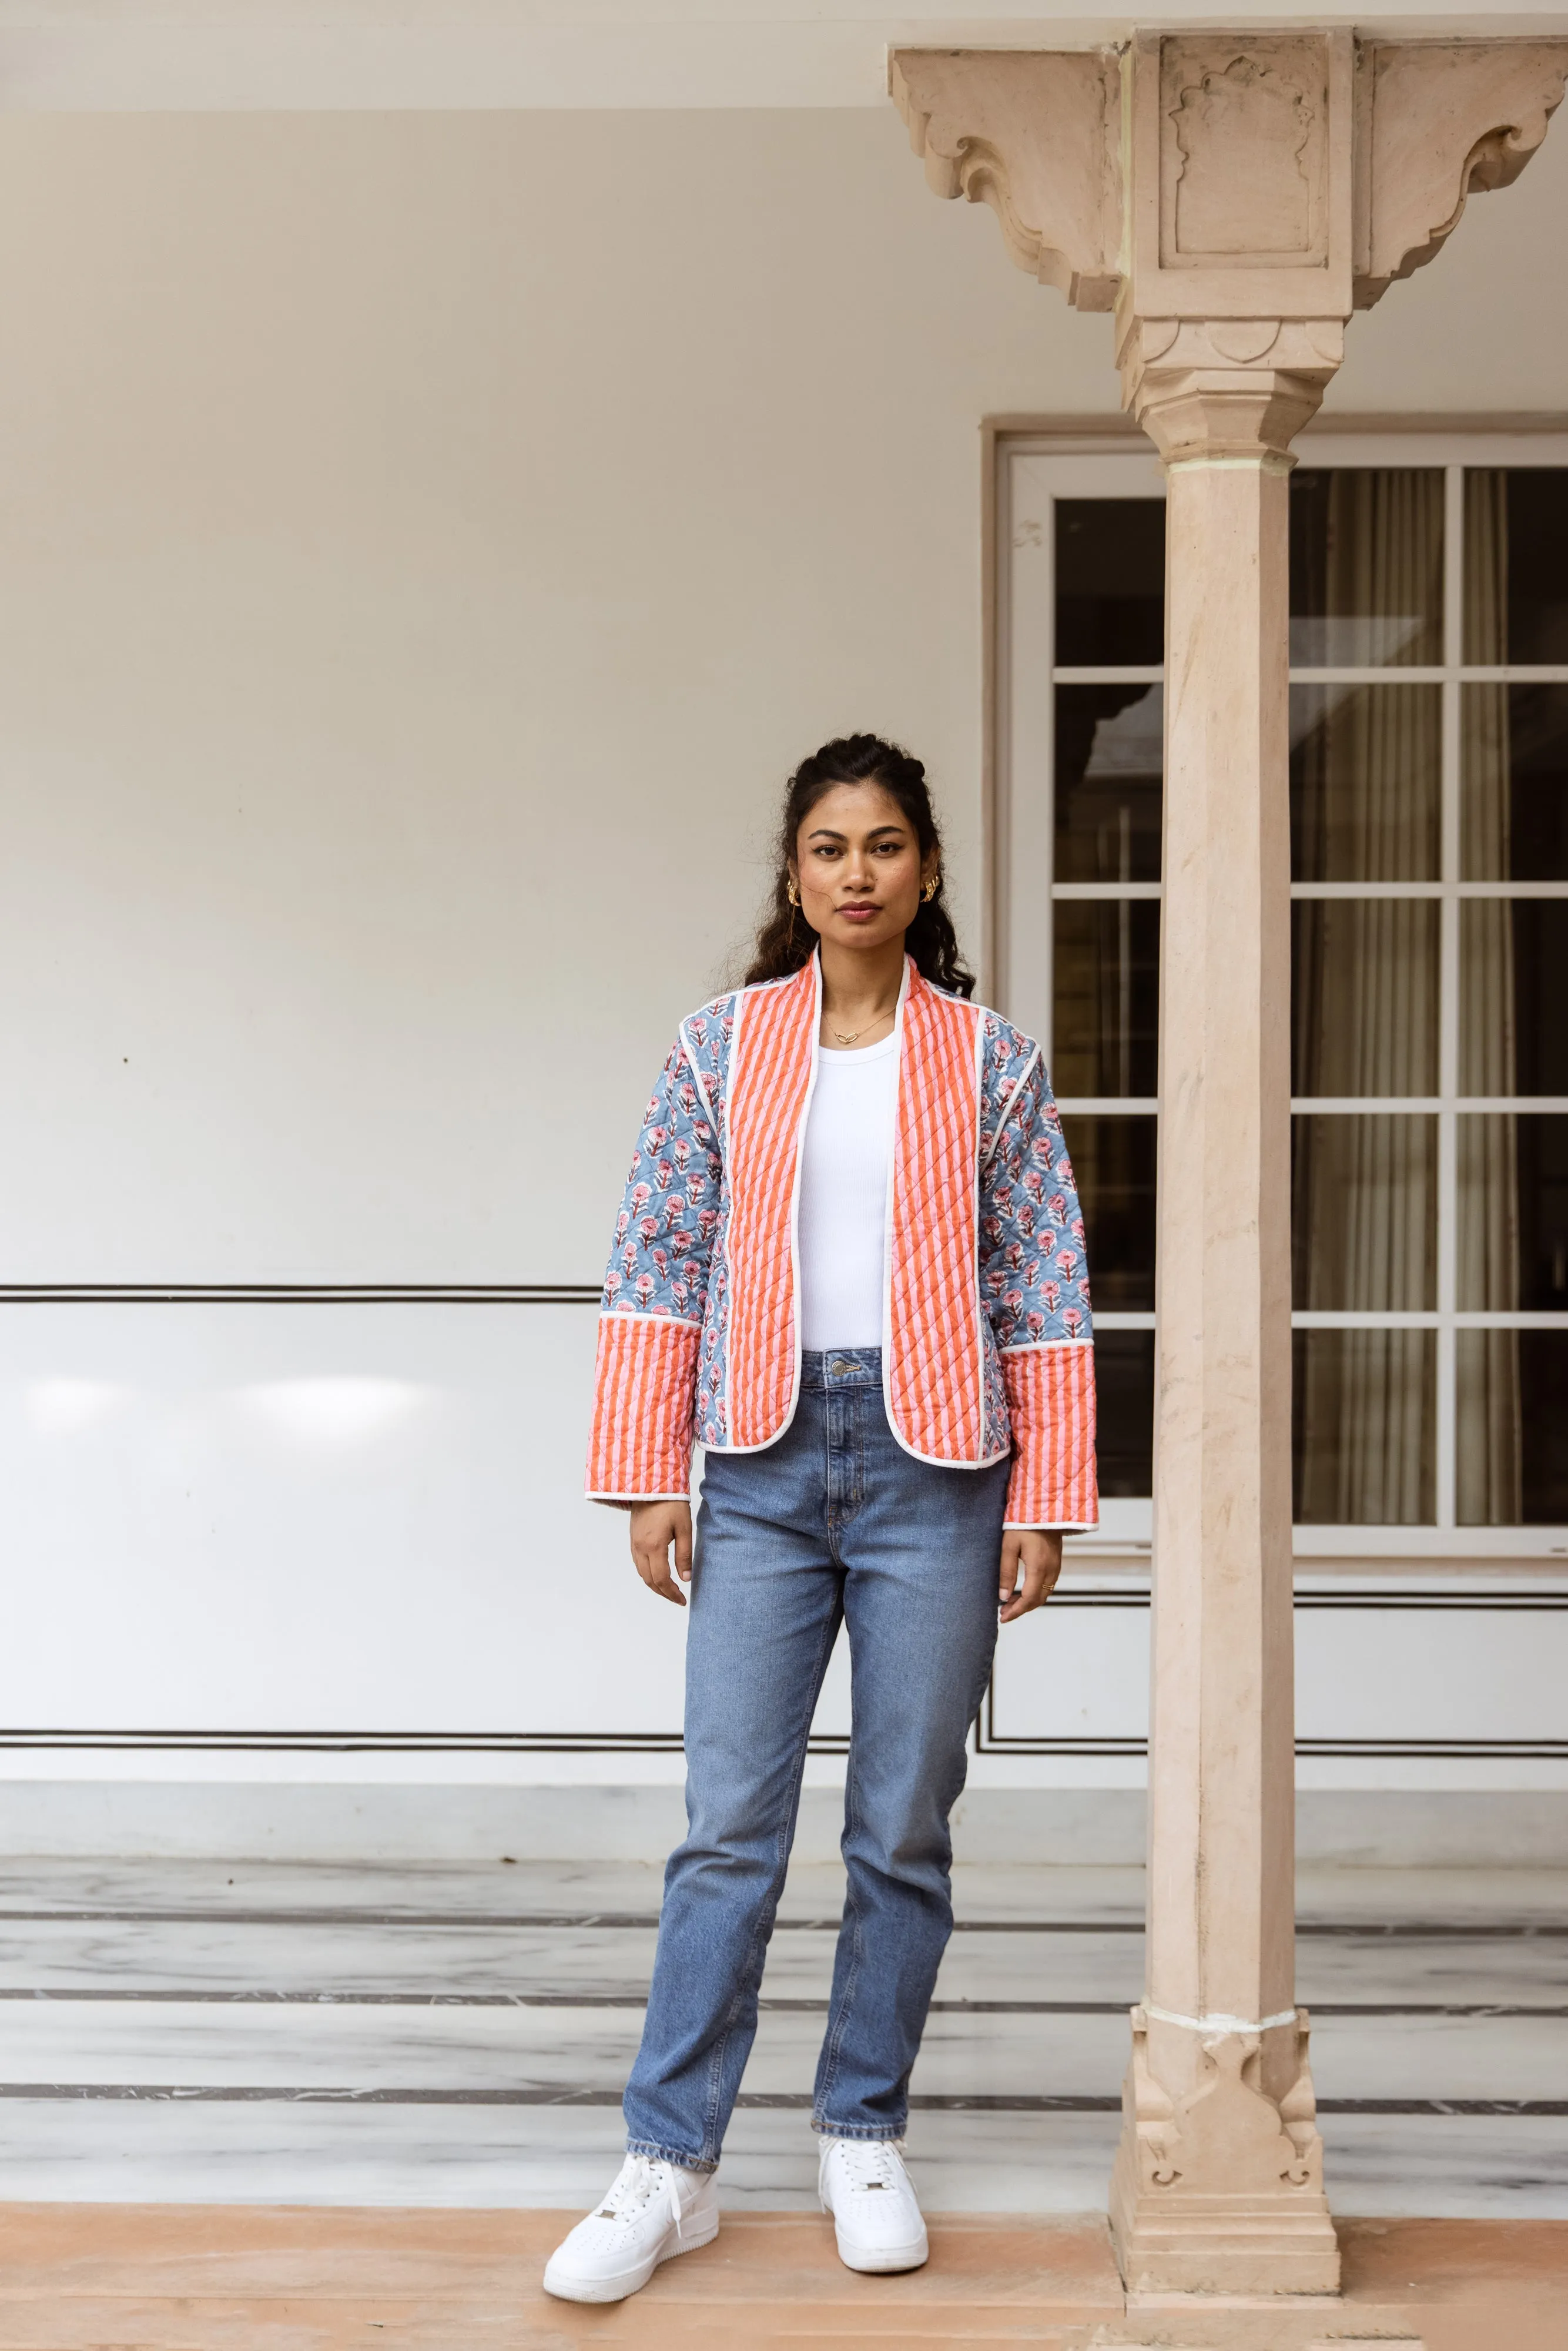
column 841, row 1363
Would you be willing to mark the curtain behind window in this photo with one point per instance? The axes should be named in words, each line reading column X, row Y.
column 1488, row 1428
column 1364, row 1009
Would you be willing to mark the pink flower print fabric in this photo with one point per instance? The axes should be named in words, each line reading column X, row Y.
column 667, row 1258
column 1034, row 1279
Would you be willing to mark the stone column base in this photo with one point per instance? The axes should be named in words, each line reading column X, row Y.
column 1220, row 2190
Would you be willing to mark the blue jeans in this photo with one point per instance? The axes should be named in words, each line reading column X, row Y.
column 834, row 1521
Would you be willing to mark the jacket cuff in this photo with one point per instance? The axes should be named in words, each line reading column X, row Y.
column 644, row 1394
column 1051, row 1401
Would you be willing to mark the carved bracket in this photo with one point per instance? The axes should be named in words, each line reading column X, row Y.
column 1225, row 2136
column 1436, row 119
column 1217, row 174
column 1034, row 137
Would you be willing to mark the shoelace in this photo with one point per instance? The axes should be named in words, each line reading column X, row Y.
column 869, row 2162
column 641, row 2180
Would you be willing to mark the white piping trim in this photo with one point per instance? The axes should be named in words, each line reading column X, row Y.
column 641, row 1314
column 940, row 1460
column 1011, row 1104
column 1056, row 1527
column 1041, row 1346
column 592, row 1494
column 1218, row 2023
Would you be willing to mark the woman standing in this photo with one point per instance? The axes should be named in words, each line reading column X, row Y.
column 850, row 1262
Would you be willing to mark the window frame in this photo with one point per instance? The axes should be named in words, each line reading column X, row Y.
column 1111, row 458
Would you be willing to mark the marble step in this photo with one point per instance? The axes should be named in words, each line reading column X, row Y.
column 813, row 1889
column 249, row 1960
column 508, row 2050
column 1375, row 1900
column 609, row 1962
column 513, row 2051
column 562, row 2158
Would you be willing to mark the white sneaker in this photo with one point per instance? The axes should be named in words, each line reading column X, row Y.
column 876, row 2214
column 653, row 2211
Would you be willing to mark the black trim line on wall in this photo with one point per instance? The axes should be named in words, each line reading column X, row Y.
column 300, row 1293
column 526, row 1743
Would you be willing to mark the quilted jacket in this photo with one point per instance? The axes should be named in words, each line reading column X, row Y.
column 986, row 1328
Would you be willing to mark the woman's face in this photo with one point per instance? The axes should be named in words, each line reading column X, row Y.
column 857, row 862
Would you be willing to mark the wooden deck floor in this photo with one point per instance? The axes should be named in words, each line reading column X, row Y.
column 127, row 2277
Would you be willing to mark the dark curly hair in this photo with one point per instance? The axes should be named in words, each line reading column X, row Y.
column 785, row 940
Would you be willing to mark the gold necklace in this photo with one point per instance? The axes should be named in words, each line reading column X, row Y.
column 855, row 1033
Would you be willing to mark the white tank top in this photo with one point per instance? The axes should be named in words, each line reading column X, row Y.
column 842, row 1225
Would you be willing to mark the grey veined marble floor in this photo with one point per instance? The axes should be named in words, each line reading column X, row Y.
column 200, row 2032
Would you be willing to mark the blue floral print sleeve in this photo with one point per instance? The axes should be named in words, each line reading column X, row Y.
column 1034, row 1282
column 662, row 1257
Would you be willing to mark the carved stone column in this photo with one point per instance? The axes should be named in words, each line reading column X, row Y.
column 1234, row 197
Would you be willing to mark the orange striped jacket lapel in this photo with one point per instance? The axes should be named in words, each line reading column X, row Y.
column 773, row 1059
column 934, row 1377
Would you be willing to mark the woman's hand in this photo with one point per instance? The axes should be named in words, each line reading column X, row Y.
column 1032, row 1561
column 654, row 1527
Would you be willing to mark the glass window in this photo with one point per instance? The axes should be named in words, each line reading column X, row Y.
column 1364, row 1001
column 1110, row 582
column 1366, row 566
column 1516, row 583
column 1113, row 1161
column 1513, row 752
column 1512, row 1212
column 1429, row 966
column 1363, row 1214
column 1512, row 1428
column 1366, row 783
column 1124, row 1382
column 1513, row 996
column 1107, row 996
column 1109, row 758
column 1365, row 1406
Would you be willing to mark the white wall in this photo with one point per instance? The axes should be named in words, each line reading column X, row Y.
column 425, row 544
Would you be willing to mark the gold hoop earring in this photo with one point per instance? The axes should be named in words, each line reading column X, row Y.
column 792, row 891
column 931, row 888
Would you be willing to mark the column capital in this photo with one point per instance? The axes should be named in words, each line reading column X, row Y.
column 1234, row 196
column 1219, row 389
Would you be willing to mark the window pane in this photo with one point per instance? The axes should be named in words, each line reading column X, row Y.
column 1365, row 1420
column 1365, row 782
column 1109, row 760
column 1110, row 580
column 1113, row 1160
column 1107, row 991
column 1514, row 759
column 1125, row 1386
column 1513, row 987
column 1364, row 1213
column 1512, row 1215
column 1516, row 576
column 1363, row 1006
column 1366, row 566
column 1513, row 1428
